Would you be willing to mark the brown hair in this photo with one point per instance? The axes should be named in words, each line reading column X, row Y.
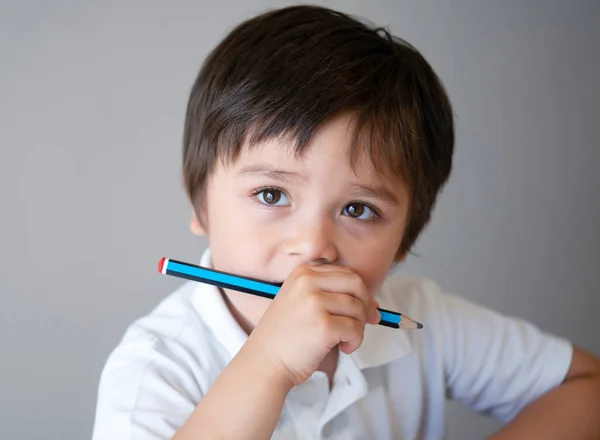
column 286, row 72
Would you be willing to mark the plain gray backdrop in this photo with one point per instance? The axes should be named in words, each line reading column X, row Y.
column 92, row 101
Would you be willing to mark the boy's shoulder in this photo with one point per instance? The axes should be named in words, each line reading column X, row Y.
column 412, row 287
column 164, row 364
column 417, row 297
column 174, row 338
column 425, row 298
column 171, row 318
column 490, row 362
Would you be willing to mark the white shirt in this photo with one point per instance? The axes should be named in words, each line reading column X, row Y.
column 393, row 387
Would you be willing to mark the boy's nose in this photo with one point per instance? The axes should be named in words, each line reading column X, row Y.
column 313, row 242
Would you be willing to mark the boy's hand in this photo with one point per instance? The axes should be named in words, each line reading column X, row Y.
column 317, row 308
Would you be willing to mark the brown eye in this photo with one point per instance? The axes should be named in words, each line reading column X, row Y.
column 271, row 196
column 361, row 211
column 355, row 209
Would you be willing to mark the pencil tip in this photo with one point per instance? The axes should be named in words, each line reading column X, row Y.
column 419, row 325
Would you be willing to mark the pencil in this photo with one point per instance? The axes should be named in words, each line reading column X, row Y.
column 257, row 287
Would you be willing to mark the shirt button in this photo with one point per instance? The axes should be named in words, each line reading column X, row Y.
column 327, row 430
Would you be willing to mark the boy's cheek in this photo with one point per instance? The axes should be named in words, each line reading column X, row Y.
column 244, row 253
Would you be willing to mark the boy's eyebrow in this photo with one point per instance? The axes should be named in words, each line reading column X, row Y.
column 267, row 171
column 378, row 192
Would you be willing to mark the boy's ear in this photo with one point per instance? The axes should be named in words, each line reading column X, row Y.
column 195, row 225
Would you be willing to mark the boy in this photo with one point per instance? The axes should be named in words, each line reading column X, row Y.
column 314, row 150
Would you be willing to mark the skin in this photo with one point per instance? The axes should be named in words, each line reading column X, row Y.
column 268, row 216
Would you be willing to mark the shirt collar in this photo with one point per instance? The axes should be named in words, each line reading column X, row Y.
column 380, row 345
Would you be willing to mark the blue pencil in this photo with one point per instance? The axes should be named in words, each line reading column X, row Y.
column 258, row 287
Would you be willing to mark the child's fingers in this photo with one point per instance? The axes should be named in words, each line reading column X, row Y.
column 350, row 284
column 333, row 279
column 349, row 332
column 329, row 268
column 342, row 282
column 341, row 304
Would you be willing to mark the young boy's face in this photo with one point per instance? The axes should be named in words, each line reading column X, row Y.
column 269, row 212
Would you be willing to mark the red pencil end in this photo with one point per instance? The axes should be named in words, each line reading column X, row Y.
column 161, row 263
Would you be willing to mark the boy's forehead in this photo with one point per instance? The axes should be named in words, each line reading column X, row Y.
column 321, row 156
column 333, row 171
column 329, row 148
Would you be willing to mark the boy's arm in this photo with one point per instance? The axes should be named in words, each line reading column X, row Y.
column 569, row 411
column 539, row 384
column 317, row 309
column 245, row 401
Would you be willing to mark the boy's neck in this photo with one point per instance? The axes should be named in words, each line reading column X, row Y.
column 239, row 317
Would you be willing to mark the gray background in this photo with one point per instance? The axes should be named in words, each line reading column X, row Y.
column 92, row 99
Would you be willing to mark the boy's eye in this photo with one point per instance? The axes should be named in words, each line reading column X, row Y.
column 360, row 211
column 276, row 197
column 271, row 196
